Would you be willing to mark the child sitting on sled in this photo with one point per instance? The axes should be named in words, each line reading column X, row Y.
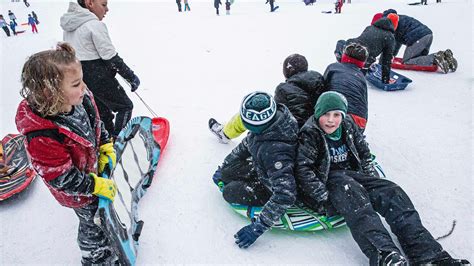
column 67, row 142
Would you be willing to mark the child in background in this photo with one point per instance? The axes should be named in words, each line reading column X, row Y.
column 32, row 23
column 66, row 140
column 13, row 26
column 338, row 7
column 12, row 17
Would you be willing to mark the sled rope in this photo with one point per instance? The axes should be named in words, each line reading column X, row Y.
column 449, row 233
column 146, row 105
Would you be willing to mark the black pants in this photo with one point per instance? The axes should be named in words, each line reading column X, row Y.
column 92, row 241
column 241, row 184
column 7, row 31
column 179, row 5
column 358, row 198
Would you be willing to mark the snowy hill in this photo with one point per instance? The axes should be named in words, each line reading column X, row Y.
column 197, row 65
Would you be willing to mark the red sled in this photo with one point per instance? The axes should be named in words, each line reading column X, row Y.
column 16, row 172
column 397, row 64
column 161, row 131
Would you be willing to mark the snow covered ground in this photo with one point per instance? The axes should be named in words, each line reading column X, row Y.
column 197, row 65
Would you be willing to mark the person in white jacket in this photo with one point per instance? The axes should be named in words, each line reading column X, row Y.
column 85, row 31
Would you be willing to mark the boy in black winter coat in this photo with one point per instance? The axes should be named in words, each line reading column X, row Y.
column 379, row 39
column 348, row 79
column 334, row 166
column 259, row 171
column 298, row 93
column 418, row 39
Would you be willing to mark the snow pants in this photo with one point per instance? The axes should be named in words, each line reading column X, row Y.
column 418, row 53
column 358, row 198
column 92, row 241
column 7, row 31
column 242, row 185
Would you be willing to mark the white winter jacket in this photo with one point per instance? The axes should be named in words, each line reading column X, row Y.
column 88, row 35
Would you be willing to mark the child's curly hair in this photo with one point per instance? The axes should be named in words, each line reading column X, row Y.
column 42, row 76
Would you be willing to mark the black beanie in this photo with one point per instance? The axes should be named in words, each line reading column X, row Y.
column 356, row 51
column 389, row 11
column 294, row 64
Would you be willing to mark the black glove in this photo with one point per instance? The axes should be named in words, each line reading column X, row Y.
column 319, row 193
column 134, row 83
column 246, row 236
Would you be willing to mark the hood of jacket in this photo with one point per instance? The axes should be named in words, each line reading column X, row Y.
column 280, row 129
column 384, row 24
column 310, row 81
column 75, row 17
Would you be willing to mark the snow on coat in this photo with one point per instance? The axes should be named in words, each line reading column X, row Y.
column 299, row 93
column 273, row 153
column 64, row 164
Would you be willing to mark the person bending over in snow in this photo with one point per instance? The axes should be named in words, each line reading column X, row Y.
column 418, row 38
column 333, row 168
column 379, row 39
column 271, row 146
column 67, row 143
column 84, row 29
column 298, row 93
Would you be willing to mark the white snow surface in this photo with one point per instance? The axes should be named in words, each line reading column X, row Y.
column 197, row 65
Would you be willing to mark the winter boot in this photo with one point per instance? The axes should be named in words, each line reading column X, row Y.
column 218, row 130
column 441, row 62
column 452, row 62
column 444, row 259
column 392, row 259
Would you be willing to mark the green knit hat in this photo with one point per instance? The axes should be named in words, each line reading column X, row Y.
column 330, row 101
column 257, row 111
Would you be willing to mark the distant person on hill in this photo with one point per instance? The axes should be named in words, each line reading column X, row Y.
column 338, row 7
column 216, row 6
column 35, row 17
column 26, row 3
column 4, row 26
column 418, row 38
column 186, row 6
column 32, row 23
column 227, row 7
column 12, row 17
column 178, row 2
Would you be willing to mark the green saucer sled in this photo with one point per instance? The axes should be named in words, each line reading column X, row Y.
column 295, row 219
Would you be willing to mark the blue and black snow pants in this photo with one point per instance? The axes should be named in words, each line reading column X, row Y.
column 358, row 198
column 92, row 241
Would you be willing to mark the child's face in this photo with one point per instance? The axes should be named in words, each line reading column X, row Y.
column 330, row 121
column 98, row 7
column 73, row 88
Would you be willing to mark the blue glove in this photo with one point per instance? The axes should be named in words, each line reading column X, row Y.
column 217, row 178
column 135, row 83
column 246, row 236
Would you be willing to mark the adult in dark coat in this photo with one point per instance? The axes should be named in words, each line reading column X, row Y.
column 301, row 89
column 347, row 78
column 271, row 145
column 333, row 164
column 418, row 39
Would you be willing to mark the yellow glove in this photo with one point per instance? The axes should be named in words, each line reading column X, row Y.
column 106, row 151
column 103, row 187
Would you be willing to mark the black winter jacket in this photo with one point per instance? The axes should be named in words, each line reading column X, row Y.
column 273, row 153
column 380, row 40
column 409, row 31
column 348, row 79
column 313, row 161
column 299, row 93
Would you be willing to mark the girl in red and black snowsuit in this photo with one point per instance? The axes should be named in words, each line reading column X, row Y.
column 67, row 142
